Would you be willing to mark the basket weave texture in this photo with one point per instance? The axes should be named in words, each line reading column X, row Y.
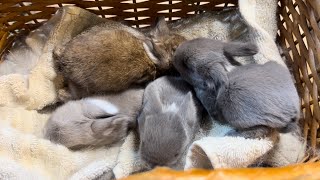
column 298, row 35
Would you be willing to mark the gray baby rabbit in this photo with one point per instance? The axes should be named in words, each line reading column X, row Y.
column 222, row 25
column 95, row 121
column 255, row 99
column 109, row 57
column 168, row 121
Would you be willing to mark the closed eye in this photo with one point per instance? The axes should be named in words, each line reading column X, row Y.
column 103, row 116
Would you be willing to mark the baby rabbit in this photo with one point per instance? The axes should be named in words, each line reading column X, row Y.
column 168, row 121
column 255, row 99
column 222, row 25
column 95, row 121
column 109, row 57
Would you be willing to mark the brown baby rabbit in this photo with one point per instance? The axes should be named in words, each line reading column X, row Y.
column 108, row 58
column 95, row 121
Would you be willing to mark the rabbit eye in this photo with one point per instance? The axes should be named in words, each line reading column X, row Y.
column 103, row 116
column 176, row 155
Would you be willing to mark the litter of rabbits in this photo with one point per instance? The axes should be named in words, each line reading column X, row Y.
column 131, row 99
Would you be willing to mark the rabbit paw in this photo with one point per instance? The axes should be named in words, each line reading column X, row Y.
column 113, row 127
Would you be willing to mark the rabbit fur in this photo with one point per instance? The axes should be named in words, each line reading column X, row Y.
column 256, row 99
column 109, row 57
column 95, row 121
column 168, row 121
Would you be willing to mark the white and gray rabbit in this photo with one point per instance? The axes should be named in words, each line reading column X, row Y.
column 168, row 121
column 95, row 121
column 256, row 99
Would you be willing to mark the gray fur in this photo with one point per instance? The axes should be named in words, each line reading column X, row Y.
column 87, row 122
column 250, row 97
column 166, row 130
column 221, row 25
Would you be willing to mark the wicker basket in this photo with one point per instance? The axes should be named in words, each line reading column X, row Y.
column 298, row 35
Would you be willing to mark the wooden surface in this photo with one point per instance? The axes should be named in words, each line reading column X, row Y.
column 298, row 172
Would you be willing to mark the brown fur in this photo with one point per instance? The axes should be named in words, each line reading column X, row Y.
column 112, row 57
column 108, row 61
column 165, row 42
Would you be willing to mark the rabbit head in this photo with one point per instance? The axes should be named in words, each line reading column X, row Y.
column 162, row 146
column 163, row 43
column 166, row 131
column 204, row 63
column 88, row 122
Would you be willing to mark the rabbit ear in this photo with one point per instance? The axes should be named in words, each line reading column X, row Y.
column 152, row 45
column 152, row 100
column 218, row 77
column 160, row 29
column 240, row 49
column 152, row 51
column 187, row 106
column 96, row 108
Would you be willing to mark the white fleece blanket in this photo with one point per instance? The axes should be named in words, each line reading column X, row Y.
column 24, row 154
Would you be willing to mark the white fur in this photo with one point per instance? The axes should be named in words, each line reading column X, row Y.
column 104, row 105
column 229, row 68
column 171, row 108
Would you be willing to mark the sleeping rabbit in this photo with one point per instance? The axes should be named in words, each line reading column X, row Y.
column 256, row 99
column 95, row 121
column 168, row 121
column 222, row 25
column 110, row 57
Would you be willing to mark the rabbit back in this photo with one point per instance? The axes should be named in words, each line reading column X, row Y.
column 105, row 61
column 259, row 95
